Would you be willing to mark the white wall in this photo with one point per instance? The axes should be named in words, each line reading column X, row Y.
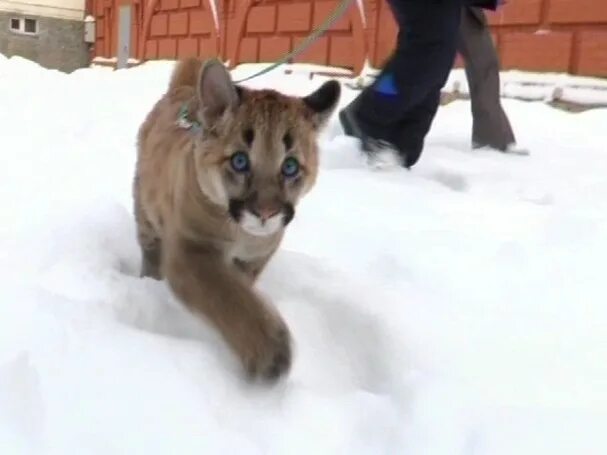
column 64, row 9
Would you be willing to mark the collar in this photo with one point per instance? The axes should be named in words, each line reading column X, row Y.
column 183, row 120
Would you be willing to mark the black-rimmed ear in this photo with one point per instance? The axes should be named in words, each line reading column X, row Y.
column 216, row 91
column 324, row 100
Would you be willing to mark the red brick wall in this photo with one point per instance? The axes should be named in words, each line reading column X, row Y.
column 553, row 35
column 265, row 30
column 537, row 35
column 179, row 28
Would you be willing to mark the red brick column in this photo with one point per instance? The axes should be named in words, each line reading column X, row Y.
column 380, row 30
column 104, row 12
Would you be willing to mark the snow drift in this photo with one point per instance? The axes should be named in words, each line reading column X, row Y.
column 458, row 308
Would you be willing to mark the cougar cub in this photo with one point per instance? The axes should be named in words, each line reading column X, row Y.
column 220, row 170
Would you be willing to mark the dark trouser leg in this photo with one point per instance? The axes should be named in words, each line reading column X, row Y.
column 403, row 112
column 416, row 125
column 490, row 123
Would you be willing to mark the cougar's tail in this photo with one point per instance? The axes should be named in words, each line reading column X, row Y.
column 186, row 73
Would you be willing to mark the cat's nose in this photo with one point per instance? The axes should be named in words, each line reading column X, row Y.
column 267, row 212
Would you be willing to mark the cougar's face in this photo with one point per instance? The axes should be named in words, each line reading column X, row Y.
column 259, row 163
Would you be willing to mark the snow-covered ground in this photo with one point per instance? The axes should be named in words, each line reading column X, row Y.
column 546, row 87
column 459, row 308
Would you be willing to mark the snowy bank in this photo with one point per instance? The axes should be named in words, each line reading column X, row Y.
column 454, row 309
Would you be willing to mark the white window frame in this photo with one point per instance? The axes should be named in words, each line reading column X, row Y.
column 21, row 30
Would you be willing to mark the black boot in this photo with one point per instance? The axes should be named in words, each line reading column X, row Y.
column 373, row 139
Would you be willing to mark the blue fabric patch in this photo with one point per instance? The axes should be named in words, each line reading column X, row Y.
column 386, row 85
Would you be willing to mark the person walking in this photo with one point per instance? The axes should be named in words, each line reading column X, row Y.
column 397, row 109
column 490, row 124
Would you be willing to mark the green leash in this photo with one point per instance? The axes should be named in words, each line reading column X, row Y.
column 183, row 120
column 328, row 22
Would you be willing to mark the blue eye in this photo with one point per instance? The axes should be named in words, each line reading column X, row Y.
column 240, row 162
column 290, row 167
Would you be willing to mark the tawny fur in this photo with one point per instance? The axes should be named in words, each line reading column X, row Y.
column 186, row 73
column 182, row 190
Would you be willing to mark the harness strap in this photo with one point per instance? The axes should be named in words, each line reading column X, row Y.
column 184, row 121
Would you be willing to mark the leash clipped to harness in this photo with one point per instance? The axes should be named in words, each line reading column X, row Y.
column 184, row 121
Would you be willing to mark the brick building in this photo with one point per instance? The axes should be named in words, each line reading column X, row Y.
column 50, row 32
column 537, row 35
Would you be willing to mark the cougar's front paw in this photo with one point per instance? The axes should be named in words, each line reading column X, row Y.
column 268, row 355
